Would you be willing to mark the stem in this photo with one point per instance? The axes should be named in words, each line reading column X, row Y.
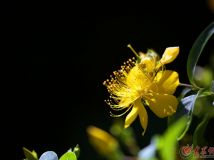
column 189, row 86
column 186, row 85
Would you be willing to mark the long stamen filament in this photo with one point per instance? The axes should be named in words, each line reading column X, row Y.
column 132, row 49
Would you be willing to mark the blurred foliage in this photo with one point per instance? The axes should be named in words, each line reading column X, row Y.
column 165, row 145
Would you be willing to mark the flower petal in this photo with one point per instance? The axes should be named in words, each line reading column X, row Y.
column 149, row 63
column 167, row 81
column 131, row 116
column 169, row 55
column 143, row 116
column 163, row 104
column 137, row 79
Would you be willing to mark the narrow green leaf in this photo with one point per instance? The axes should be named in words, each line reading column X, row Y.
column 196, row 51
column 68, row 156
column 30, row 155
column 198, row 136
column 207, row 112
column 188, row 108
column 188, row 104
column 184, row 109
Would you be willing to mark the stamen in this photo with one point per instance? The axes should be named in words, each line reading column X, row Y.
column 119, row 115
column 129, row 46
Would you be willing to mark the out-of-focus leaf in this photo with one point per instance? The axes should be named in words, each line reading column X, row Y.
column 68, row 156
column 205, row 110
column 30, row 155
column 168, row 142
column 125, row 136
column 188, row 104
column 203, row 76
column 49, row 155
column 196, row 51
column 212, row 87
column 198, row 136
column 185, row 109
column 206, row 93
column 76, row 150
column 204, row 104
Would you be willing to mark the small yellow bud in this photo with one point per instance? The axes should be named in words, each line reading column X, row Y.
column 169, row 55
column 102, row 141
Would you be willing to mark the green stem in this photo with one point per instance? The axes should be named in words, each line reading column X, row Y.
column 186, row 85
column 189, row 86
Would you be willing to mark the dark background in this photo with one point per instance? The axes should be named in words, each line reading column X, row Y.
column 62, row 59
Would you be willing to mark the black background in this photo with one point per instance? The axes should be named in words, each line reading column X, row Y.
column 62, row 59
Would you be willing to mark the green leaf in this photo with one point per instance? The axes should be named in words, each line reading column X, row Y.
column 198, row 136
column 76, row 150
column 68, row 156
column 125, row 136
column 204, row 104
column 185, row 109
column 188, row 103
column 30, row 155
column 203, row 76
column 196, row 51
column 206, row 110
column 167, row 143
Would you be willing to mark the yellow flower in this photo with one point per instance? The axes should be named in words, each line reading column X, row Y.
column 145, row 83
column 102, row 141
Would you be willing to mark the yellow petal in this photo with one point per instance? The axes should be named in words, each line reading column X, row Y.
column 134, row 76
column 162, row 104
column 143, row 116
column 167, row 81
column 169, row 55
column 137, row 79
column 131, row 116
column 149, row 63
